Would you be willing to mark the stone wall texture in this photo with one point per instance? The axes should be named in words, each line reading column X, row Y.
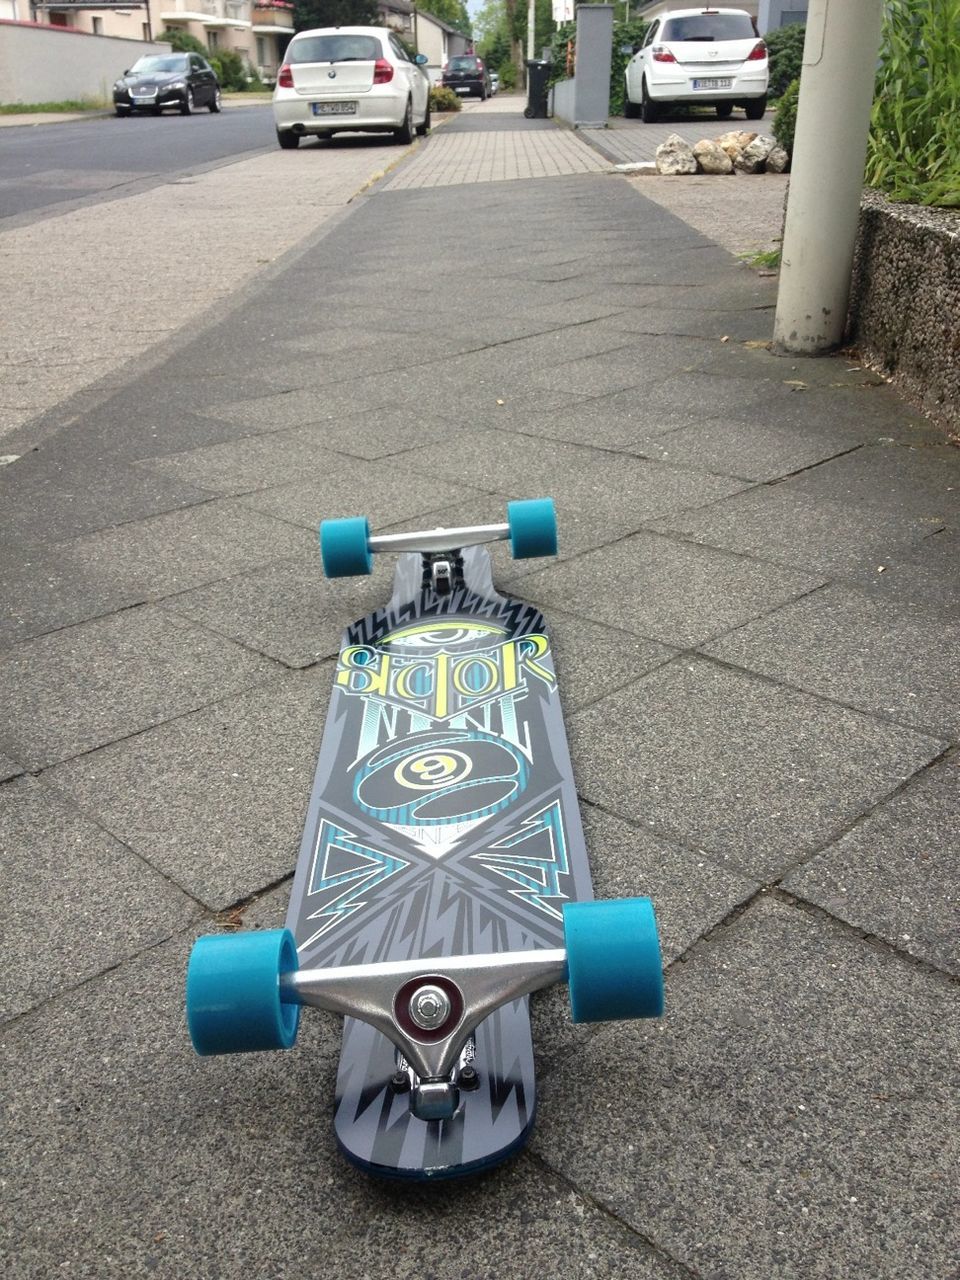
column 905, row 301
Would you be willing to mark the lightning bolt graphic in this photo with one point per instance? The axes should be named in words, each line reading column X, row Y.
column 539, row 878
column 343, row 870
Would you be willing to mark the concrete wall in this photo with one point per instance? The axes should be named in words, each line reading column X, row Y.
column 51, row 64
column 905, row 301
column 564, row 100
column 773, row 14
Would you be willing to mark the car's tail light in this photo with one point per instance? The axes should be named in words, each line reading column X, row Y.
column 285, row 77
column 758, row 51
column 382, row 71
column 660, row 54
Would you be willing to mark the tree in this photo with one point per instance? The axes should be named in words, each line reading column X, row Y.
column 334, row 13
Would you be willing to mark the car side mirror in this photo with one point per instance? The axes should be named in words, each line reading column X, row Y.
column 421, row 59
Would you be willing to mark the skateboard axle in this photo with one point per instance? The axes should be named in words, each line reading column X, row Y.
column 439, row 539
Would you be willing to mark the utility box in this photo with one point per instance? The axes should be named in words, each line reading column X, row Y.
column 591, row 71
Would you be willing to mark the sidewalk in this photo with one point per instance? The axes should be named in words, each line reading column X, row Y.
column 755, row 614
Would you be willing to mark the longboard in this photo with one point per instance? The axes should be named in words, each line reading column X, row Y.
column 441, row 857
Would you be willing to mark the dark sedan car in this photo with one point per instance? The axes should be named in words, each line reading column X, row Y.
column 182, row 80
column 467, row 75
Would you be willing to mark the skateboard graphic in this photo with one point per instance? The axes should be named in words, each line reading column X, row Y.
column 442, row 875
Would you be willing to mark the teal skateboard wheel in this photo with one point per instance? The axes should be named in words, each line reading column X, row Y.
column 533, row 528
column 613, row 959
column 344, row 547
column 233, row 992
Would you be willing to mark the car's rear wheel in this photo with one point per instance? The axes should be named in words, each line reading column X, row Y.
column 215, row 101
column 629, row 108
column 404, row 135
column 724, row 110
column 424, row 129
column 755, row 108
column 648, row 108
column 289, row 141
column 187, row 106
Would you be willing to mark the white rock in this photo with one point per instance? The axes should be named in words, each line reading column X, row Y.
column 777, row 160
column 675, row 156
column 711, row 157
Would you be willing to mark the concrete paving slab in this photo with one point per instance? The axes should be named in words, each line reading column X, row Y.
column 755, row 774
column 680, row 594
column 241, row 1141
column 216, row 799
column 593, row 660
column 85, row 686
column 142, row 561
column 622, row 491
column 927, row 573
column 792, row 1116
column 897, row 662
column 79, row 902
column 919, row 483
column 751, row 452
column 878, row 877
column 383, row 490
column 44, row 499
column 773, row 522
column 289, row 611
column 9, row 768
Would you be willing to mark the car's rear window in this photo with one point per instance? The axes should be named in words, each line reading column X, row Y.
column 335, row 48
column 462, row 64
column 708, row 27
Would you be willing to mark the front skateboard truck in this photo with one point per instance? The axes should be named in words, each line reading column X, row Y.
column 348, row 547
column 244, row 991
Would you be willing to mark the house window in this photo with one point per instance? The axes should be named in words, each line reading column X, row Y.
column 261, row 51
column 98, row 26
column 213, row 41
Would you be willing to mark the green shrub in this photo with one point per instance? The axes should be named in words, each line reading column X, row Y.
column 508, row 75
column 785, row 117
column 443, row 99
column 785, row 47
column 914, row 148
column 230, row 68
column 183, row 42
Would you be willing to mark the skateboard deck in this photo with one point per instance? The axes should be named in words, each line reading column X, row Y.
column 443, row 822
column 442, row 875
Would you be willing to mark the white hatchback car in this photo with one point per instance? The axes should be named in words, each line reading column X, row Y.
column 709, row 56
column 350, row 79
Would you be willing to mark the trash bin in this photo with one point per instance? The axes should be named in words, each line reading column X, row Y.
column 538, row 92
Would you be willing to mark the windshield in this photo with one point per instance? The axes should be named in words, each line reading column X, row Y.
column 709, row 27
column 463, row 64
column 159, row 63
column 339, row 48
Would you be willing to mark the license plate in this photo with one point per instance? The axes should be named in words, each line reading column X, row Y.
column 334, row 108
column 462, row 88
column 713, row 84
column 144, row 96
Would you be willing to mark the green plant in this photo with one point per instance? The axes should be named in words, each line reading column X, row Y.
column 763, row 259
column 508, row 75
column 182, row 42
column 914, row 148
column 443, row 99
column 230, row 68
column 785, row 49
column 785, row 117
column 70, row 105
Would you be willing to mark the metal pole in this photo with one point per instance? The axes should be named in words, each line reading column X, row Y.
column 531, row 28
column 826, row 182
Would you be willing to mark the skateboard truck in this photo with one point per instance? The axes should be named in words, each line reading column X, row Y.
column 244, row 991
column 428, row 1013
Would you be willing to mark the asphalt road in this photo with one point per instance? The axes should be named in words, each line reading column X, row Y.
column 48, row 168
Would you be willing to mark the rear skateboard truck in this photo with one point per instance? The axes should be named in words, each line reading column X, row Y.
column 348, row 547
column 244, row 991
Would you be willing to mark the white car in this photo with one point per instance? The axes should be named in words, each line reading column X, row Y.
column 494, row 82
column 349, row 79
column 710, row 56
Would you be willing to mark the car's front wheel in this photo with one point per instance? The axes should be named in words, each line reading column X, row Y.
column 215, row 101
column 187, row 106
column 404, row 135
column 755, row 108
column 289, row 141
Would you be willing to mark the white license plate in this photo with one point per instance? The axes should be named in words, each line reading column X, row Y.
column 463, row 89
column 334, row 108
column 713, row 84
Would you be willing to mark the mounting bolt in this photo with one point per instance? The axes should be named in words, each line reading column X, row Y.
column 469, row 1078
column 400, row 1082
column 429, row 1007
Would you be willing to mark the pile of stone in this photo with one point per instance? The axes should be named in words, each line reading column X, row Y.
column 732, row 152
